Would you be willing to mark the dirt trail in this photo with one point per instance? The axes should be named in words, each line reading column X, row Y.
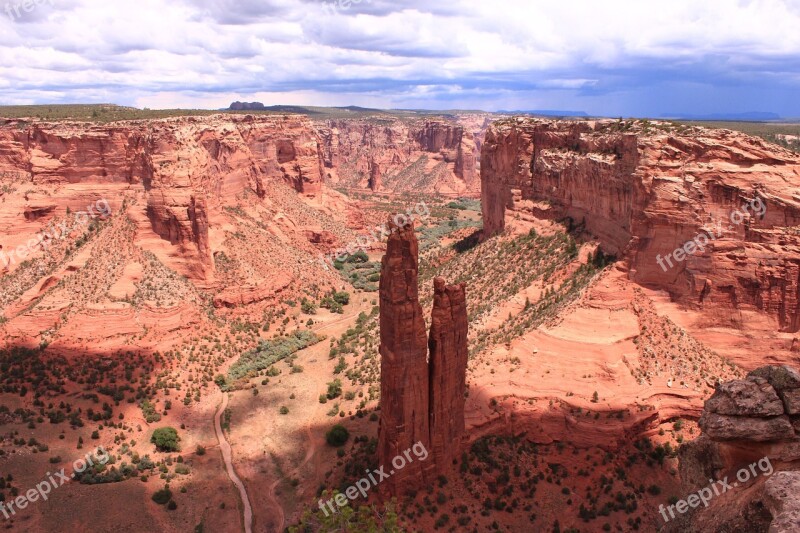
column 227, row 456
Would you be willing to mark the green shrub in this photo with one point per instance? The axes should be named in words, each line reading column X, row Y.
column 166, row 439
column 270, row 352
column 337, row 436
column 162, row 496
column 334, row 389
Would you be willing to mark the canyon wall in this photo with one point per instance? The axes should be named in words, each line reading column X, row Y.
column 401, row 155
column 421, row 401
column 646, row 189
column 184, row 167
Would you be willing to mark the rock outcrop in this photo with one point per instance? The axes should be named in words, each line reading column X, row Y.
column 219, row 210
column 748, row 422
column 751, row 409
column 448, row 370
column 421, row 402
column 177, row 163
column 397, row 155
column 780, row 499
column 404, row 365
column 646, row 189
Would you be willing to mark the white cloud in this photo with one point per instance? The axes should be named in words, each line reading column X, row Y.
column 407, row 52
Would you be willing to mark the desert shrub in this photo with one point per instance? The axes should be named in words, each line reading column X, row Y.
column 162, row 496
column 166, row 439
column 337, row 435
column 334, row 389
column 270, row 352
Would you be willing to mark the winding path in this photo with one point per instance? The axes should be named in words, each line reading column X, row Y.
column 226, row 455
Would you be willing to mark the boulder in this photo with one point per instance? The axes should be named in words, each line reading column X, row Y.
column 726, row 428
column 753, row 396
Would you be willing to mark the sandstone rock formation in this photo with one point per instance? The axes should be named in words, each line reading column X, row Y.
column 420, row 401
column 396, row 155
column 746, row 421
column 448, row 370
column 645, row 189
column 178, row 163
column 404, row 365
column 751, row 409
column 780, row 498
column 224, row 211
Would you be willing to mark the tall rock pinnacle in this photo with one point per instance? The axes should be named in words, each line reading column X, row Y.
column 420, row 402
column 448, row 370
column 404, row 366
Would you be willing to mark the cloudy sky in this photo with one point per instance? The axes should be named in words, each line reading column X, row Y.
column 610, row 57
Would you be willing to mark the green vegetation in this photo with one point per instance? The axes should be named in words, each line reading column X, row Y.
column 337, row 436
column 366, row 518
column 334, row 389
column 103, row 113
column 783, row 134
column 162, row 496
column 268, row 353
column 361, row 275
column 166, row 439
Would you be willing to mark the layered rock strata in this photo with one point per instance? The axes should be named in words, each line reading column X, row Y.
column 647, row 189
column 184, row 167
column 422, row 402
column 397, row 155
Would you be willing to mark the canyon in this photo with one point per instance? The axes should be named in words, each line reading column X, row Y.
column 645, row 189
column 396, row 155
column 558, row 350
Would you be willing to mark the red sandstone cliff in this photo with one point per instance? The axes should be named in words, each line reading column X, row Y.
column 646, row 189
column 430, row 155
column 181, row 165
column 421, row 401
column 186, row 196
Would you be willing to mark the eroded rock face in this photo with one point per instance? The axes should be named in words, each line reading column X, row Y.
column 647, row 189
column 780, row 498
column 747, row 434
column 184, row 166
column 750, row 397
column 726, row 428
column 448, row 367
column 421, row 402
column 751, row 409
column 397, row 155
column 404, row 365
